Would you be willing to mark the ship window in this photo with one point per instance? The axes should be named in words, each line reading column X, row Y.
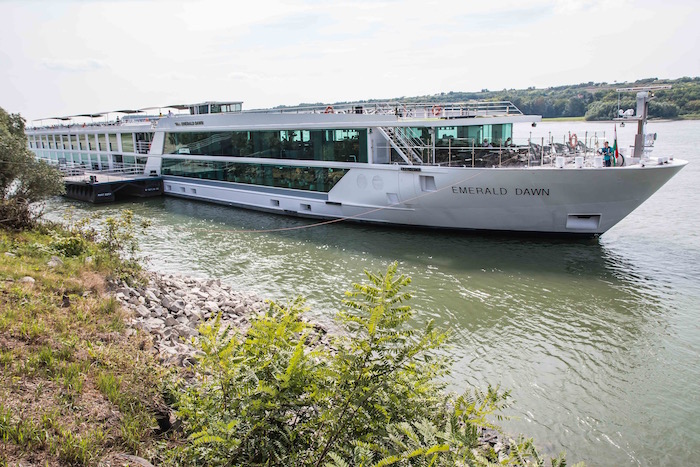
column 143, row 142
column 324, row 145
column 127, row 142
column 113, row 142
column 101, row 143
column 231, row 108
column 298, row 178
column 446, row 132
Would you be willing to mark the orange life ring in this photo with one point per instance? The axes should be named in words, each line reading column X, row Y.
column 436, row 110
column 573, row 140
column 329, row 110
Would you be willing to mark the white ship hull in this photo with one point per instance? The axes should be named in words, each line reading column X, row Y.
column 564, row 201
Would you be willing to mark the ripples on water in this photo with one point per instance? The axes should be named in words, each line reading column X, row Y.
column 597, row 339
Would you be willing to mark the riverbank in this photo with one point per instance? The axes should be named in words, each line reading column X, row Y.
column 87, row 360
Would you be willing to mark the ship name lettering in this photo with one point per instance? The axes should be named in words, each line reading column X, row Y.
column 479, row 190
column 532, row 191
column 198, row 122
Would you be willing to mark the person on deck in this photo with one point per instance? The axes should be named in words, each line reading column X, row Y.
column 607, row 153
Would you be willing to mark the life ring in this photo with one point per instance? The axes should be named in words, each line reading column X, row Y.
column 437, row 110
column 329, row 110
column 573, row 140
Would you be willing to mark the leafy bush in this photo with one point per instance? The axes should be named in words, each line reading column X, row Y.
column 118, row 240
column 373, row 396
column 73, row 245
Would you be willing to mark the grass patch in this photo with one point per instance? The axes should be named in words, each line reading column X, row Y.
column 69, row 395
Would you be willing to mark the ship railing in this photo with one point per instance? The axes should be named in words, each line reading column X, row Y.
column 75, row 169
column 406, row 109
column 390, row 138
column 142, row 121
column 403, row 142
column 467, row 152
column 143, row 147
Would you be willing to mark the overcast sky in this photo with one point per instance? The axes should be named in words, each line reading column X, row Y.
column 64, row 57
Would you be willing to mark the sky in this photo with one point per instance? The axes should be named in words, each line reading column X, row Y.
column 67, row 57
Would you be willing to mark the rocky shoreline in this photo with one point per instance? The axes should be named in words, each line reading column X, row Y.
column 172, row 307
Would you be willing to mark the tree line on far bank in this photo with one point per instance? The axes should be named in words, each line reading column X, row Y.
column 592, row 101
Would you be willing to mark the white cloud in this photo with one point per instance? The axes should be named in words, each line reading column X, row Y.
column 77, row 56
column 72, row 65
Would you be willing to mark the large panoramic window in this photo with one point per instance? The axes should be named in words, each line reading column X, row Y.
column 320, row 145
column 298, row 178
column 127, row 142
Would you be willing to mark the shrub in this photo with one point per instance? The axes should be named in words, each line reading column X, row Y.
column 274, row 396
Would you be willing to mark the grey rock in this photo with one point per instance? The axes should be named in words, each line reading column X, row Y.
column 27, row 280
column 55, row 262
column 143, row 311
column 150, row 295
column 167, row 302
column 211, row 306
column 154, row 323
column 132, row 460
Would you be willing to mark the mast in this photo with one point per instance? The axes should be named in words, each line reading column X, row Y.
column 644, row 95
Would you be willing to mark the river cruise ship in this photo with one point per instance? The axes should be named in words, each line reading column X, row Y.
column 446, row 166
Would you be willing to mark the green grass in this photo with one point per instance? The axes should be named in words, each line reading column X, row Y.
column 56, row 369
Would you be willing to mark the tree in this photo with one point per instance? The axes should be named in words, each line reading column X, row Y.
column 23, row 178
